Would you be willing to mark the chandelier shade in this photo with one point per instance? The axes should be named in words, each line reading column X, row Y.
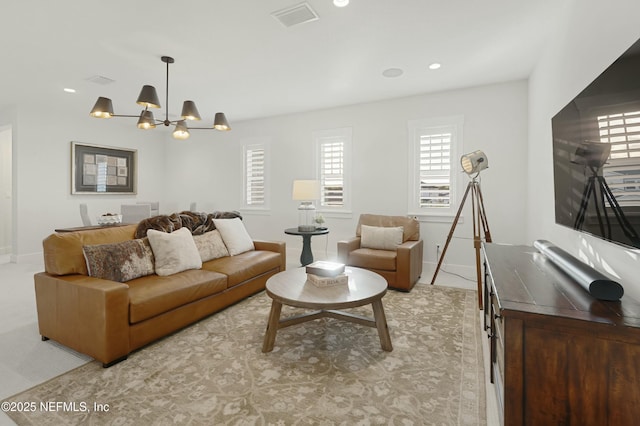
column 146, row 120
column 220, row 122
column 148, row 98
column 103, row 108
column 181, row 131
column 190, row 111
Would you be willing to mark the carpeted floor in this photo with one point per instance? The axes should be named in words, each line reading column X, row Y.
column 325, row 372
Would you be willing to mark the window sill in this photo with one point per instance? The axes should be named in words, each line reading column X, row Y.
column 436, row 218
column 336, row 214
column 255, row 211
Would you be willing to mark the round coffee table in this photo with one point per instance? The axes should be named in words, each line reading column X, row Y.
column 292, row 288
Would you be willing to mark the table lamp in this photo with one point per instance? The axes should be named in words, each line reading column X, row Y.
column 306, row 191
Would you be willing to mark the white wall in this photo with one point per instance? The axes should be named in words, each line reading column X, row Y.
column 594, row 35
column 42, row 178
column 208, row 166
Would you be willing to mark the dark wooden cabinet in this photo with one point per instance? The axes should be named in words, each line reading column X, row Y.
column 558, row 356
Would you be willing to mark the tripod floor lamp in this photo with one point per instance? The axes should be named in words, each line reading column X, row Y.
column 472, row 164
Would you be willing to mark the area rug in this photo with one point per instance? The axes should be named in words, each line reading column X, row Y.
column 324, row 372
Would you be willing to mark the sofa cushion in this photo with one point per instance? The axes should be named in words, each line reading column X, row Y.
column 244, row 266
column 120, row 262
column 174, row 252
column 154, row 295
column 63, row 253
column 210, row 245
column 234, row 235
column 381, row 237
column 373, row 259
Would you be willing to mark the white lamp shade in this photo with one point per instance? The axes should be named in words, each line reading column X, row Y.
column 306, row 190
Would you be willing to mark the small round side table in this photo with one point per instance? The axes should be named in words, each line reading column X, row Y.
column 306, row 257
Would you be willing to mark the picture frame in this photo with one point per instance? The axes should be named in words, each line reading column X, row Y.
column 97, row 169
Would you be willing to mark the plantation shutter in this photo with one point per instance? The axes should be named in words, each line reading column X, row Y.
column 435, row 170
column 332, row 173
column 255, row 176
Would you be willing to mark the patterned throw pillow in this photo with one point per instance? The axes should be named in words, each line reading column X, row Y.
column 120, row 262
column 210, row 245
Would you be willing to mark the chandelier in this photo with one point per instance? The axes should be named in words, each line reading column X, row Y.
column 148, row 98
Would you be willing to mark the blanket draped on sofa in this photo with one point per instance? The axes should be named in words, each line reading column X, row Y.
column 198, row 223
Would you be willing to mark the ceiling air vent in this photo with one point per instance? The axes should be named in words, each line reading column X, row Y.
column 98, row 79
column 295, row 15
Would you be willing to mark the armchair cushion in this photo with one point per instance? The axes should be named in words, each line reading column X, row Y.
column 381, row 237
column 373, row 259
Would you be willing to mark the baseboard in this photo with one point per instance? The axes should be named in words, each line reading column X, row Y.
column 460, row 276
column 36, row 258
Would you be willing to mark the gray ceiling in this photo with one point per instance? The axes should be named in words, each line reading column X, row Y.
column 233, row 56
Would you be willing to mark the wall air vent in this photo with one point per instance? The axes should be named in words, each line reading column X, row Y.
column 295, row 15
column 98, row 79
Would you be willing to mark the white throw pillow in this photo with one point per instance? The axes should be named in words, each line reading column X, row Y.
column 210, row 245
column 174, row 252
column 234, row 235
column 380, row 237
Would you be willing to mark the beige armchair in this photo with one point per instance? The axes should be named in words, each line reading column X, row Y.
column 383, row 248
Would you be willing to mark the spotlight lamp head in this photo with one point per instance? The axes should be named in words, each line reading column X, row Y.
column 592, row 154
column 474, row 162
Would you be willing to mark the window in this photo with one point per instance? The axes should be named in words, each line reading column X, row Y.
column 434, row 146
column 621, row 170
column 255, row 166
column 333, row 147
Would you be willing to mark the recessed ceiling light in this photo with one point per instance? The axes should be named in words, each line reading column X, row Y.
column 392, row 72
column 340, row 3
column 434, row 66
column 69, row 90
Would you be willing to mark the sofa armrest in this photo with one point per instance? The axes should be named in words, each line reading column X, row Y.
column 347, row 246
column 89, row 315
column 277, row 246
column 409, row 263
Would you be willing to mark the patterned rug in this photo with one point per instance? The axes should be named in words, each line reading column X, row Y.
column 324, row 372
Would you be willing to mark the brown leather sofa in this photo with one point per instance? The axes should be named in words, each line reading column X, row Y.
column 400, row 266
column 107, row 320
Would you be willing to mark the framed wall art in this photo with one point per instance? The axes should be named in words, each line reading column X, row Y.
column 99, row 169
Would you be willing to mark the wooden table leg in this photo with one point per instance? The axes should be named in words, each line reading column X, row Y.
column 272, row 327
column 381, row 325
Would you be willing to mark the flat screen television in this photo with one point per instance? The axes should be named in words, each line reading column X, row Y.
column 596, row 155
